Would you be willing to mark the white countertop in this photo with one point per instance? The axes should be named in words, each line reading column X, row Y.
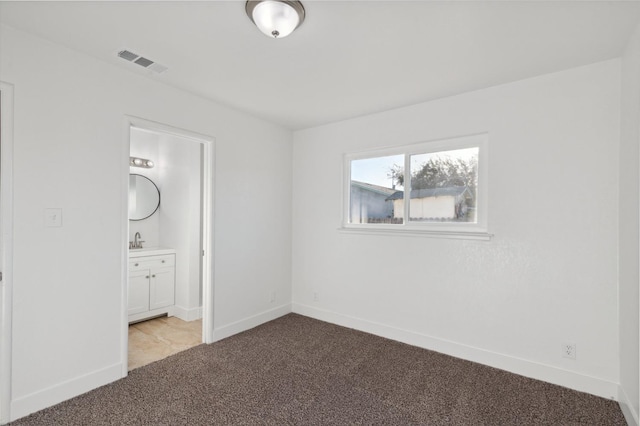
column 150, row 251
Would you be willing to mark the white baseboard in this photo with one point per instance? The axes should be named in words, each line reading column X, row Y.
column 630, row 414
column 519, row 366
column 250, row 322
column 187, row 314
column 36, row 401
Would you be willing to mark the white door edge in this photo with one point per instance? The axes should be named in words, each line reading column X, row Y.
column 6, row 263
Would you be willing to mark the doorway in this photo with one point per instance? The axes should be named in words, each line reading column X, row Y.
column 169, row 248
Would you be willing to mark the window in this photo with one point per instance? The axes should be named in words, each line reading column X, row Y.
column 437, row 188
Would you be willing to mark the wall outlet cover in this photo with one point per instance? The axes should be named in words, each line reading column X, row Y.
column 569, row 350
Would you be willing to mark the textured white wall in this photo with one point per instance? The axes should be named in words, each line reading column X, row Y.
column 548, row 276
column 629, row 216
column 67, row 312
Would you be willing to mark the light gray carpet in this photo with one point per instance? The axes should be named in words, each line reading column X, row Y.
column 296, row 370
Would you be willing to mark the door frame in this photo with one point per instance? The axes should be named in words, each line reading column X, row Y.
column 6, row 219
column 208, row 185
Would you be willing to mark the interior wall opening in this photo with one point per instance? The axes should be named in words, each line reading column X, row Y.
column 165, row 245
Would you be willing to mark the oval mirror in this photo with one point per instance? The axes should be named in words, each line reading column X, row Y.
column 144, row 197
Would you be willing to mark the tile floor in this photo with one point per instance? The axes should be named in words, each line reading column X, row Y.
column 158, row 338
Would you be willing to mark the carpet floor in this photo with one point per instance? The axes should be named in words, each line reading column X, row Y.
column 300, row 371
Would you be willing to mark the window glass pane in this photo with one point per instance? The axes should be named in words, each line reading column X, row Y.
column 374, row 188
column 444, row 186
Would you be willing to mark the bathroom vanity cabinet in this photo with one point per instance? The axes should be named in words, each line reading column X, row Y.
column 152, row 282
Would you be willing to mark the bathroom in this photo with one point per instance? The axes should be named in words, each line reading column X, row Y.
column 165, row 245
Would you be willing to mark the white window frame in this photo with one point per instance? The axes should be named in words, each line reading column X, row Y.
column 462, row 230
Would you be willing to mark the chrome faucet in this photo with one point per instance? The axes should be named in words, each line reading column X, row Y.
column 137, row 242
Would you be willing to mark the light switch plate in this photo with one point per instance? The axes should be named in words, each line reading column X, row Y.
column 53, row 218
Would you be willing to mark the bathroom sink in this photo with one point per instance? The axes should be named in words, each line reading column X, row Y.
column 146, row 251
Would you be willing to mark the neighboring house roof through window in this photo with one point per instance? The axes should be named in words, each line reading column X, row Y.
column 374, row 188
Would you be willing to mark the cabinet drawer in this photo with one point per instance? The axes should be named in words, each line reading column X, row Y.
column 141, row 263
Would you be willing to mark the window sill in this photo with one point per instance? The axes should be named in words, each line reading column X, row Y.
column 456, row 235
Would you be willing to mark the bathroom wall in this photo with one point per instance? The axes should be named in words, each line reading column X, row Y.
column 179, row 168
column 144, row 144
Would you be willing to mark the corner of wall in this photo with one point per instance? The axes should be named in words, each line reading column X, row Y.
column 630, row 415
column 628, row 230
column 187, row 314
column 250, row 322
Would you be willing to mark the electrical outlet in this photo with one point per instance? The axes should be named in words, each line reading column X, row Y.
column 316, row 297
column 569, row 350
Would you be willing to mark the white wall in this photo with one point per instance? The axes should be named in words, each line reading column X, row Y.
column 549, row 274
column 179, row 167
column 628, row 233
column 67, row 310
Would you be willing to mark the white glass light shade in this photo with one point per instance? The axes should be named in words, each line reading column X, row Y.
column 275, row 18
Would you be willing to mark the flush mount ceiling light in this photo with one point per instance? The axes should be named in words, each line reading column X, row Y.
column 275, row 18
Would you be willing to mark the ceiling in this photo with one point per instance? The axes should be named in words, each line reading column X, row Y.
column 349, row 58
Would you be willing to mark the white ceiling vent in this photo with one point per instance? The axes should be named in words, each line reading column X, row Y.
column 142, row 61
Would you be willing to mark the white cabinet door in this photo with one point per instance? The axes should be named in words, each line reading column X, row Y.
column 138, row 292
column 162, row 290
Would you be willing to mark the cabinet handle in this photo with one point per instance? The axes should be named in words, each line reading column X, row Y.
column 135, row 264
column 147, row 276
column 153, row 276
column 163, row 261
